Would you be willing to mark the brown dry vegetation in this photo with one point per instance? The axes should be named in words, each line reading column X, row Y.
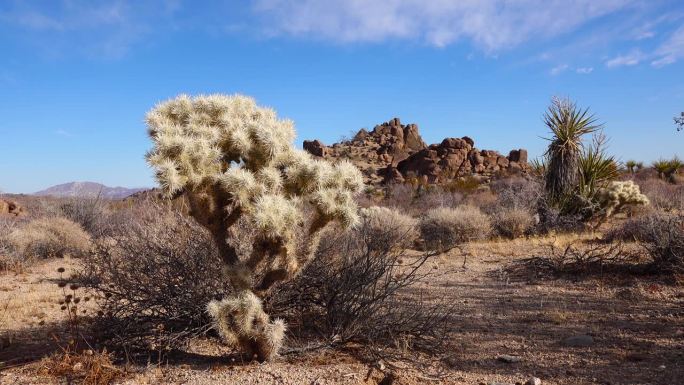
column 370, row 309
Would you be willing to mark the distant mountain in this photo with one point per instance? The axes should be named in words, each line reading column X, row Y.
column 88, row 189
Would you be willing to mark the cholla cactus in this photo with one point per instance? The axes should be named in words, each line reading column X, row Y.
column 241, row 321
column 233, row 160
column 619, row 194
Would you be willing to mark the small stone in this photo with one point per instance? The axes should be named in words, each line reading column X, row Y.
column 661, row 367
column 507, row 358
column 579, row 341
column 533, row 381
column 78, row 367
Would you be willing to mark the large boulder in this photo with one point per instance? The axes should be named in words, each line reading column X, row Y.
column 8, row 207
column 316, row 147
column 518, row 156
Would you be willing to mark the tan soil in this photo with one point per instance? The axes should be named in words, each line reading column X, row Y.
column 637, row 324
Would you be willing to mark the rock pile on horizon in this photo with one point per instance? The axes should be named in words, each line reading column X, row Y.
column 395, row 153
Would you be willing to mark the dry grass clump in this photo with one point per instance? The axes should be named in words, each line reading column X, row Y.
column 87, row 367
column 49, row 237
column 445, row 228
column 384, row 226
column 513, row 223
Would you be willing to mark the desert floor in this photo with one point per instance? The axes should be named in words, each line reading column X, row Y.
column 636, row 323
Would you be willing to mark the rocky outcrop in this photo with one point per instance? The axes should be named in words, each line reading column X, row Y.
column 372, row 151
column 394, row 153
column 454, row 158
column 10, row 208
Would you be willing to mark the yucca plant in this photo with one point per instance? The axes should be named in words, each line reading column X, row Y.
column 539, row 166
column 631, row 166
column 639, row 166
column 673, row 167
column 568, row 124
column 596, row 167
column 661, row 166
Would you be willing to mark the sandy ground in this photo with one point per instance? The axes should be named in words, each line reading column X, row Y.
column 637, row 327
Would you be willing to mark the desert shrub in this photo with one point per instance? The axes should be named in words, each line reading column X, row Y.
column 49, row 237
column 484, row 199
column 464, row 185
column 383, row 226
column 663, row 195
column 417, row 200
column 153, row 274
column 445, row 228
column 359, row 289
column 8, row 259
column 577, row 259
column 515, row 193
column 434, row 198
column 513, row 222
column 399, row 195
column 552, row 219
column 662, row 236
column 87, row 212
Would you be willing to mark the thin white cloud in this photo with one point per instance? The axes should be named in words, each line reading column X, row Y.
column 671, row 50
column 492, row 25
column 99, row 28
column 557, row 70
column 643, row 35
column 631, row 59
column 68, row 16
column 584, row 70
column 64, row 133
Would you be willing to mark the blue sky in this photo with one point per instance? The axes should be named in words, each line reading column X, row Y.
column 76, row 77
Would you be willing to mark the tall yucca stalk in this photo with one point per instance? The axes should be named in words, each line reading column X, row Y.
column 568, row 124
